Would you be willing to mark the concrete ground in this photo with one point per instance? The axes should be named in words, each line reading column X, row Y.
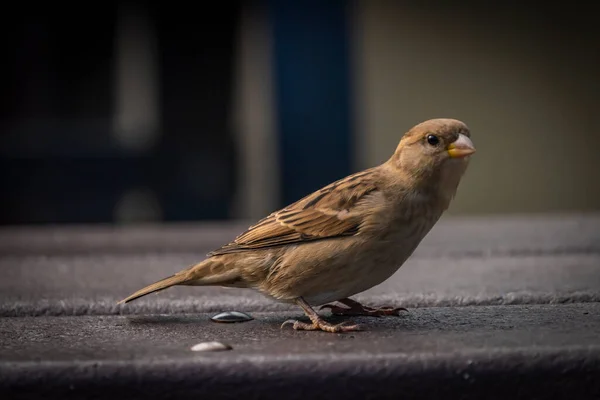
column 499, row 307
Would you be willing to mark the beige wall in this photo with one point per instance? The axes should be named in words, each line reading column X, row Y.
column 529, row 94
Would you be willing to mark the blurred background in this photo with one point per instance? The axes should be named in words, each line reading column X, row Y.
column 121, row 112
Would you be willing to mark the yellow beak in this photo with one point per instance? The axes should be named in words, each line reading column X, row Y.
column 461, row 147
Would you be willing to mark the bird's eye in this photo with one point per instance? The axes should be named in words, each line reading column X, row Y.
column 432, row 140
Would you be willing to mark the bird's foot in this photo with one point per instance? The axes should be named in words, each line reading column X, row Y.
column 321, row 325
column 356, row 309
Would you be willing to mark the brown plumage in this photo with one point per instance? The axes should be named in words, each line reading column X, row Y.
column 346, row 237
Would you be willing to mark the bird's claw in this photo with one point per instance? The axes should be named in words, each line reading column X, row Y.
column 364, row 310
column 288, row 322
column 388, row 310
column 321, row 325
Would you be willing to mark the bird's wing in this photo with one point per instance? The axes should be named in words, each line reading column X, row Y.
column 327, row 213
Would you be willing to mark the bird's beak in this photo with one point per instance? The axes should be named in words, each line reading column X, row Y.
column 461, row 147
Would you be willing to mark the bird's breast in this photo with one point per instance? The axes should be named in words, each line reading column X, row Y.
column 329, row 270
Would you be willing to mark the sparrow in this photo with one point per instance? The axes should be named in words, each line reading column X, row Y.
column 346, row 237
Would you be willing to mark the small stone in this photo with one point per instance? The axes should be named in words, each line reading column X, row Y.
column 211, row 346
column 232, row 316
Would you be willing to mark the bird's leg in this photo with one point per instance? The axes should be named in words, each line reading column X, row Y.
column 317, row 323
column 355, row 308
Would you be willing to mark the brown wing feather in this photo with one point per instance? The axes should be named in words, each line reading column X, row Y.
column 326, row 213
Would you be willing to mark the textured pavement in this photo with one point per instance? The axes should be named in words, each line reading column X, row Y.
column 500, row 307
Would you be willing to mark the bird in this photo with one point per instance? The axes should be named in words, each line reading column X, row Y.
column 345, row 237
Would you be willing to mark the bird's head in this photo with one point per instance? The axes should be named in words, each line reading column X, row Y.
column 434, row 152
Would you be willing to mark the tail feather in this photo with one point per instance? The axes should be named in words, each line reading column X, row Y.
column 163, row 284
column 208, row 272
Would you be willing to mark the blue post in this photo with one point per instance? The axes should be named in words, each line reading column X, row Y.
column 313, row 96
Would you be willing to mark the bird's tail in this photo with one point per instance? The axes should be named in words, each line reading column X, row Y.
column 208, row 272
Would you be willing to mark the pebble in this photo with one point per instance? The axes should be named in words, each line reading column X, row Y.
column 211, row 346
column 231, row 316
